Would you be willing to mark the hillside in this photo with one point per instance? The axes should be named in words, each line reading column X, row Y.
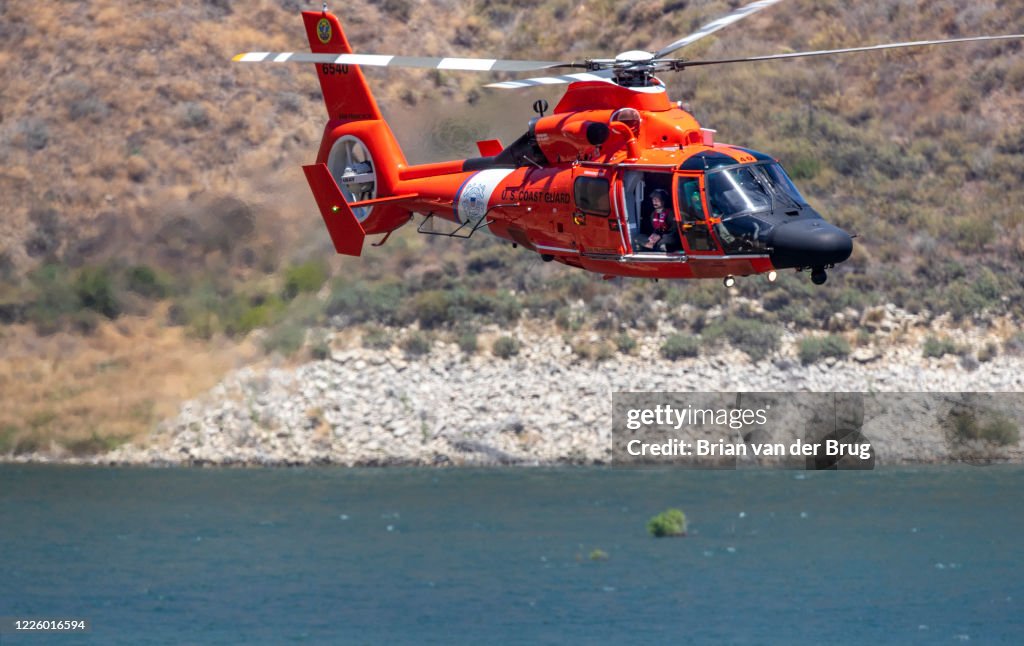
column 152, row 189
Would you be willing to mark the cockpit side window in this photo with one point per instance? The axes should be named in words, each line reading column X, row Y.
column 691, row 208
column 690, row 204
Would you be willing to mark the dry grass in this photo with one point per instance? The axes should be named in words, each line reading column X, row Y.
column 86, row 394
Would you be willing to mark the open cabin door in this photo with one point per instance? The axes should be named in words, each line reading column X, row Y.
column 653, row 223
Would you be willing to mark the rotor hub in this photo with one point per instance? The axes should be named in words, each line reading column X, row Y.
column 634, row 56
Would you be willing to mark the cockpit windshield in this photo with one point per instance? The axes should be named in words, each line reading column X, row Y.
column 779, row 180
column 750, row 189
column 737, row 190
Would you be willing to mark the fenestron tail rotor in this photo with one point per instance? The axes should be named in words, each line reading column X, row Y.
column 351, row 165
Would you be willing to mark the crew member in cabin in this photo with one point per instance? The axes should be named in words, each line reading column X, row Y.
column 664, row 229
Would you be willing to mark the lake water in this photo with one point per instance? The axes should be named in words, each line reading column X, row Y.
column 370, row 556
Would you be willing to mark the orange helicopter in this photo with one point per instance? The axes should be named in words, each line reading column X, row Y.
column 617, row 180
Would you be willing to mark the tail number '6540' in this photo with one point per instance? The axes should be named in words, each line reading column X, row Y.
column 333, row 68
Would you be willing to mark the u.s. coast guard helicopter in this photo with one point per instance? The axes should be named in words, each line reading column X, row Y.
column 617, row 180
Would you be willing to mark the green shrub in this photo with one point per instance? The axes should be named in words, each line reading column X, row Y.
column 505, row 308
column 994, row 428
column 95, row 444
column 320, row 348
column 8, row 435
column 305, row 277
column 988, row 352
column 814, row 348
column 53, row 298
column 756, row 338
column 286, row 339
column 775, row 299
column 467, row 342
column 495, row 257
column 1000, row 430
column 935, row 348
column 361, row 303
column 671, row 522
column 204, row 308
column 241, row 319
column 603, row 351
column 678, row 346
column 1015, row 344
column 625, row 343
column 30, row 442
column 803, row 167
column 147, row 282
column 417, row 344
column 432, row 308
column 305, row 309
column 598, row 554
column 96, row 291
column 376, row 338
column 974, row 232
column 567, row 319
column 965, row 299
column 581, row 349
column 505, row 347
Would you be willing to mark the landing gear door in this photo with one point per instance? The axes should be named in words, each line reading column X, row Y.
column 596, row 223
column 693, row 215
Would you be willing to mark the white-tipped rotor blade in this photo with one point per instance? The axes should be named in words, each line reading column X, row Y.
column 380, row 60
column 603, row 75
column 849, row 50
column 715, row 25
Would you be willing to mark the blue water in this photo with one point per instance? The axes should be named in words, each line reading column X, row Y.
column 502, row 556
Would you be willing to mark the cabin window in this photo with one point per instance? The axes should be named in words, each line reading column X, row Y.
column 592, row 195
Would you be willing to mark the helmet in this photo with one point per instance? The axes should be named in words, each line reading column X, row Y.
column 662, row 193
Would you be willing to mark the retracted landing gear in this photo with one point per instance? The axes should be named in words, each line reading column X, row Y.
column 729, row 281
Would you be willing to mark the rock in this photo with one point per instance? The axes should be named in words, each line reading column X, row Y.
column 866, row 355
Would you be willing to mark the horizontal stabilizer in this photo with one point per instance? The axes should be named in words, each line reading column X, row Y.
column 346, row 232
column 489, row 148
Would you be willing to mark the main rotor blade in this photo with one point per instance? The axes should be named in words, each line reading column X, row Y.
column 602, row 75
column 715, row 25
column 680, row 64
column 379, row 60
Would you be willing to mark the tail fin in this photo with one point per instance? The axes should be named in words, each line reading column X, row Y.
column 346, row 94
column 359, row 159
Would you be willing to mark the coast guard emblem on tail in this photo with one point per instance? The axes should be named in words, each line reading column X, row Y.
column 324, row 31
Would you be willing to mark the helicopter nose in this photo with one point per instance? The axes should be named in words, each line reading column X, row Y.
column 809, row 243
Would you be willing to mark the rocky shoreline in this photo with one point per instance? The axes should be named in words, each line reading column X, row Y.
column 543, row 406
